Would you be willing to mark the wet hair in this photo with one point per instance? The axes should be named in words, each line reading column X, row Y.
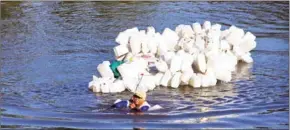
column 136, row 96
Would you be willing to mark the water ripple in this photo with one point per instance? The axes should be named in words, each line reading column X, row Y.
column 50, row 50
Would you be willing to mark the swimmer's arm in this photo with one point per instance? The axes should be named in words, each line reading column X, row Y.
column 121, row 104
column 142, row 109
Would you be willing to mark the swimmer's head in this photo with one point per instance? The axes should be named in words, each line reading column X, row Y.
column 139, row 97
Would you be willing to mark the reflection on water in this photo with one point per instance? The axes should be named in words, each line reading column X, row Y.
column 50, row 50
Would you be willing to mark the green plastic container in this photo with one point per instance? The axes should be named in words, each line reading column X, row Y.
column 114, row 65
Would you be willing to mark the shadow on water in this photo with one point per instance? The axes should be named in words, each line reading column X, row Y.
column 50, row 50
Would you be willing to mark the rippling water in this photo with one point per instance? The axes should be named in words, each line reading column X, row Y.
column 50, row 50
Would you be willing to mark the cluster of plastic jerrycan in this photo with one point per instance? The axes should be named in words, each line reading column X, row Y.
column 195, row 55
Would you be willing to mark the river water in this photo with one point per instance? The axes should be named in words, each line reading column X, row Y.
column 50, row 50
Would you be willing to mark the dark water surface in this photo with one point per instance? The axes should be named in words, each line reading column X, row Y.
column 50, row 50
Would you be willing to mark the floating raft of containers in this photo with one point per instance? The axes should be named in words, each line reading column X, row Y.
column 195, row 55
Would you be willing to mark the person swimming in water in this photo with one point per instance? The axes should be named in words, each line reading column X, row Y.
column 137, row 103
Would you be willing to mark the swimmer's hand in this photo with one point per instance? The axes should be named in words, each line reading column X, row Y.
column 132, row 106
